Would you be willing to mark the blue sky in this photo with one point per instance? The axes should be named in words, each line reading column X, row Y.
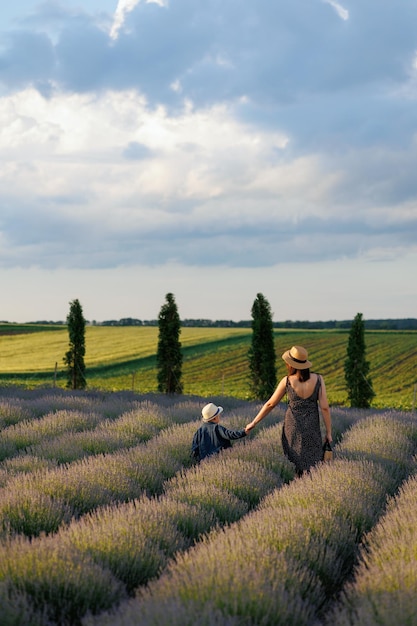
column 213, row 149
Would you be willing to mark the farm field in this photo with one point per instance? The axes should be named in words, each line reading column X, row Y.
column 106, row 521
column 215, row 360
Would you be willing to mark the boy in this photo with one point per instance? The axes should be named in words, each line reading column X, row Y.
column 212, row 437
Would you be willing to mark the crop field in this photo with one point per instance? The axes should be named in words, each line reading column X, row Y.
column 106, row 521
column 215, row 360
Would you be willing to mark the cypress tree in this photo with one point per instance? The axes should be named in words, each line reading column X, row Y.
column 358, row 382
column 169, row 356
column 74, row 358
column 262, row 357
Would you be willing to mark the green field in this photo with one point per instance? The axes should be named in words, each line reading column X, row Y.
column 215, row 359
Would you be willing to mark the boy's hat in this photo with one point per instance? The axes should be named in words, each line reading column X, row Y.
column 210, row 411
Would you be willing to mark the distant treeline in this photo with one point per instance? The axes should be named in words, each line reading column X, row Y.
column 386, row 324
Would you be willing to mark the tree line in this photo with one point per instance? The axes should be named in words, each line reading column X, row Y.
column 261, row 354
column 408, row 323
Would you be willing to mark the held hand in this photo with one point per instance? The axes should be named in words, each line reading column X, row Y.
column 248, row 428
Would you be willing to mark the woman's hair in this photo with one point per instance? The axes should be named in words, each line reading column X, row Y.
column 302, row 375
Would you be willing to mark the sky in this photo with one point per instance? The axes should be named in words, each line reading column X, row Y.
column 213, row 149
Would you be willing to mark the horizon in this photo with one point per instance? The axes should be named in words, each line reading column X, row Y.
column 210, row 321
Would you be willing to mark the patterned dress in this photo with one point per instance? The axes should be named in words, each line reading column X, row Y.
column 301, row 435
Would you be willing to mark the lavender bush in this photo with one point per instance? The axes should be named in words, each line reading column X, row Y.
column 385, row 585
column 132, row 540
column 12, row 412
column 61, row 582
column 17, row 609
column 282, row 563
column 136, row 426
column 117, row 544
column 29, row 432
column 127, row 511
column 28, row 512
column 92, row 482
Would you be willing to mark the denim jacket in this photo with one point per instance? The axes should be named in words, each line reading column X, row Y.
column 210, row 438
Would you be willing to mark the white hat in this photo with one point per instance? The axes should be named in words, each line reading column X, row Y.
column 210, row 411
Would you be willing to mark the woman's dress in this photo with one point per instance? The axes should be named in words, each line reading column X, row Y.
column 301, row 435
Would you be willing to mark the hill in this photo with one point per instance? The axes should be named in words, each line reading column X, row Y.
column 215, row 360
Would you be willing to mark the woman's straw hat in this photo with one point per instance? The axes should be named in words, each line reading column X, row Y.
column 297, row 357
column 210, row 411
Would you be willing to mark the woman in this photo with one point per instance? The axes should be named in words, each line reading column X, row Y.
column 306, row 391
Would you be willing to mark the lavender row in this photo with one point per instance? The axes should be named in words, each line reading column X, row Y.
column 95, row 562
column 385, row 584
column 285, row 562
column 41, row 492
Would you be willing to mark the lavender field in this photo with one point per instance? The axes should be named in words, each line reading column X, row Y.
column 105, row 520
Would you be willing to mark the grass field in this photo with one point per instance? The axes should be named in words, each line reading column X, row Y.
column 215, row 359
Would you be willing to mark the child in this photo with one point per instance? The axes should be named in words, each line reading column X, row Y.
column 212, row 437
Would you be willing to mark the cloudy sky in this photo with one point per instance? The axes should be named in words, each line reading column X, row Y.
column 214, row 149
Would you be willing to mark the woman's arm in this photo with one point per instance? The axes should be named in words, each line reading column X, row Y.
column 269, row 404
column 325, row 410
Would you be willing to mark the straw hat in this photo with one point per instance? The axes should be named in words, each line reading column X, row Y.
column 210, row 411
column 297, row 357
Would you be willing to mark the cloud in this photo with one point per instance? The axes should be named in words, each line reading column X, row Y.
column 272, row 55
column 124, row 7
column 106, row 180
column 208, row 134
column 340, row 10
